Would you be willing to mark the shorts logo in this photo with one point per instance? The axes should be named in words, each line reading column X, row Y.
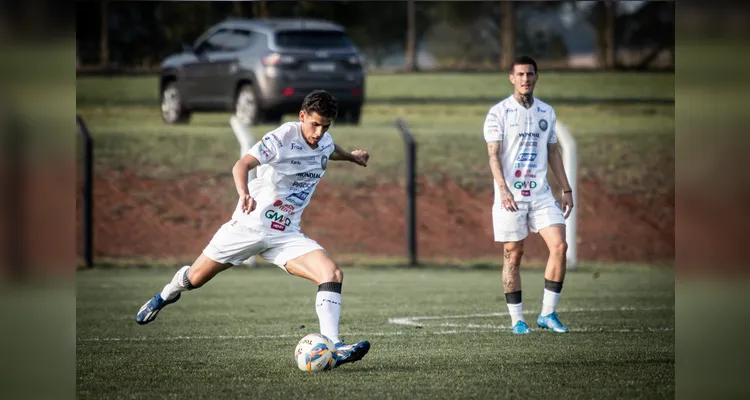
column 543, row 124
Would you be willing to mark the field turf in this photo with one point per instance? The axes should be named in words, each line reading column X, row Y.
column 435, row 333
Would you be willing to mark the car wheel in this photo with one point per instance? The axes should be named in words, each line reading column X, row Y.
column 247, row 108
column 172, row 109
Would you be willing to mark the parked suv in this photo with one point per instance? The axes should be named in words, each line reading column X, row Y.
column 261, row 69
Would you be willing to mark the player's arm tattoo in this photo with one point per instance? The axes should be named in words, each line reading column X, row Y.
column 554, row 159
column 494, row 150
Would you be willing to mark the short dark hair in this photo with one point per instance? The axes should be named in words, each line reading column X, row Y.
column 522, row 60
column 321, row 102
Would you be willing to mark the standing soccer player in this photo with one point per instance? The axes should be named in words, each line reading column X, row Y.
column 290, row 162
column 521, row 142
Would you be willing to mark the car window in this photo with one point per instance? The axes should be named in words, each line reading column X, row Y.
column 239, row 39
column 312, row 39
column 215, row 42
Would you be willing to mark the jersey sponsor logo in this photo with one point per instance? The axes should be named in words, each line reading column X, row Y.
column 518, row 173
column 324, row 162
column 277, row 226
column 524, row 185
column 302, row 185
column 298, row 198
column 528, row 174
column 531, row 143
column 529, row 134
column 278, row 218
column 526, row 157
column 287, row 208
column 308, row 175
column 540, row 109
column 275, row 139
column 296, row 146
column 522, row 165
column 543, row 124
column 295, row 162
column 526, row 193
column 263, row 150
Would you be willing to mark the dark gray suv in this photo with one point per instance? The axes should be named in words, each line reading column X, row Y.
column 261, row 69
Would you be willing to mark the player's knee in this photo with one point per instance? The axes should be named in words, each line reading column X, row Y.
column 559, row 248
column 333, row 274
column 514, row 254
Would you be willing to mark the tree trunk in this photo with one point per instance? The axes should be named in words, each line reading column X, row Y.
column 609, row 34
column 104, row 36
column 411, row 36
column 507, row 33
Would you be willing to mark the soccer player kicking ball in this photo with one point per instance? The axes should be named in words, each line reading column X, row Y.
column 290, row 162
column 521, row 140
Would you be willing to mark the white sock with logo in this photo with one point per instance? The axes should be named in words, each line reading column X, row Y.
column 179, row 283
column 515, row 307
column 328, row 307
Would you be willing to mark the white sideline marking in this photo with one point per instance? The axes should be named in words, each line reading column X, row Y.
column 360, row 334
column 412, row 321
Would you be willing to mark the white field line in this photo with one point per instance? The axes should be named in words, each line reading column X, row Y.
column 413, row 321
column 410, row 321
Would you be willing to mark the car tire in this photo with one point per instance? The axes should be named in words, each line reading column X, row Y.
column 246, row 106
column 173, row 111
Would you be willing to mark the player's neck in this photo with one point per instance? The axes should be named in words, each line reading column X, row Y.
column 525, row 100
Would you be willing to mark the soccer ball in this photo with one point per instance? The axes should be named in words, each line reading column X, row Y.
column 314, row 353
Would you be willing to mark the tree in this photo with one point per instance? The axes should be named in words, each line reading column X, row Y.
column 507, row 33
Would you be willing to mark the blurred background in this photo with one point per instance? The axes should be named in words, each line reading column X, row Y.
column 162, row 189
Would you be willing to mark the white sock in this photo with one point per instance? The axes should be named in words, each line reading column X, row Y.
column 180, row 283
column 549, row 302
column 516, row 313
column 328, row 307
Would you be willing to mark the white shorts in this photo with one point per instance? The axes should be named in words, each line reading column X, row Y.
column 234, row 243
column 512, row 226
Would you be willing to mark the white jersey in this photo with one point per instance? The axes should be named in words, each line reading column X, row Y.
column 525, row 134
column 287, row 176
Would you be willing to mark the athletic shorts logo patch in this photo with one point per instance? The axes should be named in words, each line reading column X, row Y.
column 543, row 124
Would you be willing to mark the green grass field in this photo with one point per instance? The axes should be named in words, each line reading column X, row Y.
column 629, row 146
column 234, row 338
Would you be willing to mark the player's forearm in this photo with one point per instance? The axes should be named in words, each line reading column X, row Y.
column 558, row 169
column 494, row 150
column 497, row 172
column 339, row 154
column 240, row 172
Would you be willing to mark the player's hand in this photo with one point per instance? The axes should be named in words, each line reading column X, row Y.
column 360, row 157
column 248, row 203
column 509, row 203
column 567, row 204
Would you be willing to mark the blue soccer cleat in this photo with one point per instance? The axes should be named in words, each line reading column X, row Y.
column 520, row 328
column 551, row 322
column 148, row 312
column 349, row 353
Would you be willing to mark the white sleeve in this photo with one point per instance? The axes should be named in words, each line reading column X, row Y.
column 267, row 150
column 494, row 127
column 552, row 132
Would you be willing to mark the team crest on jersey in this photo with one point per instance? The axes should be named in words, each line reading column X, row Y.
column 543, row 124
column 323, row 162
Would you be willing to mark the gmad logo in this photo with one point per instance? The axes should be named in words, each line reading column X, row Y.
column 524, row 185
column 280, row 221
